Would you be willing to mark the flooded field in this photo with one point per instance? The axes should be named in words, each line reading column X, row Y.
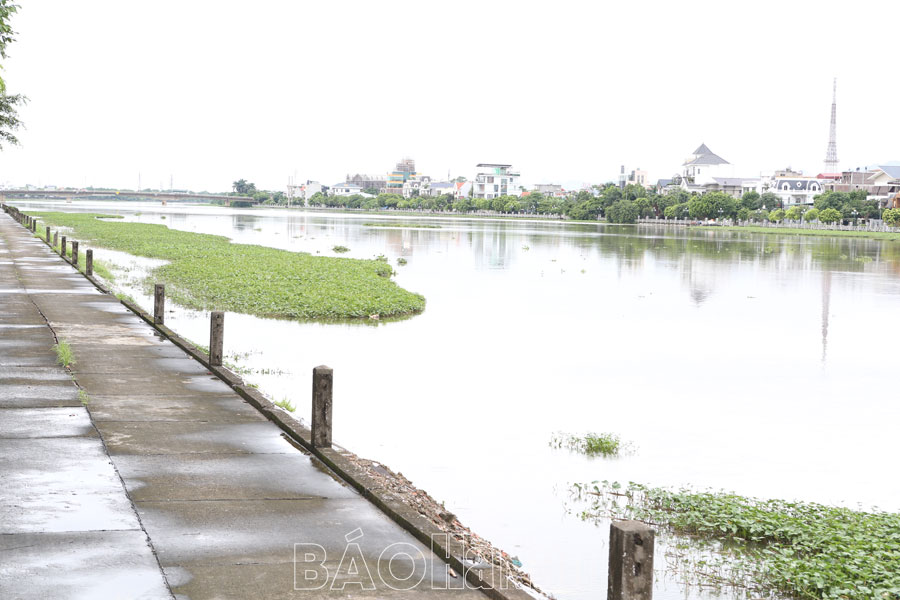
column 760, row 364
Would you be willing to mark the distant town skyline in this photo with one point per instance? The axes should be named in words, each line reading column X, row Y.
column 200, row 94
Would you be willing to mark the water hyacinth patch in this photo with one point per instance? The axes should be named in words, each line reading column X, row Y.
column 208, row 272
column 802, row 549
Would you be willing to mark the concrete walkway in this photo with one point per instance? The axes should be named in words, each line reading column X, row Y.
column 167, row 483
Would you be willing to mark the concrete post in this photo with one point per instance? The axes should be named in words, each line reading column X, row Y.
column 55, row 239
column 323, row 381
column 48, row 235
column 630, row 561
column 89, row 262
column 62, row 247
column 216, row 335
column 159, row 305
column 74, row 253
column 33, row 226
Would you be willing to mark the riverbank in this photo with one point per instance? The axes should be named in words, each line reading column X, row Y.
column 209, row 272
column 879, row 235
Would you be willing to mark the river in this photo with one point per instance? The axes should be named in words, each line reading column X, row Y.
column 760, row 364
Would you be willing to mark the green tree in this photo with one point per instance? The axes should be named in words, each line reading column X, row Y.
column 835, row 200
column 891, row 216
column 811, row 215
column 830, row 215
column 371, row 190
column 751, row 200
column 776, row 215
column 794, row 213
column 9, row 103
column 623, row 211
column 241, row 187
column 743, row 214
column 769, row 200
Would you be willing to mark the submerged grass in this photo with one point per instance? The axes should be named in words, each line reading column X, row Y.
column 208, row 272
column 802, row 549
column 591, row 444
column 879, row 235
column 64, row 355
column 413, row 225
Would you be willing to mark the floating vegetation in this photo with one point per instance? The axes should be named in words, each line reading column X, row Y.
column 767, row 547
column 208, row 272
column 64, row 355
column 413, row 225
column 340, row 249
column 401, row 261
column 286, row 405
column 591, row 444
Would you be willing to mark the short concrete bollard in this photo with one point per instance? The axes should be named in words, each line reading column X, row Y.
column 33, row 226
column 55, row 239
column 62, row 247
column 89, row 262
column 74, row 253
column 48, row 235
column 159, row 304
column 216, row 335
column 630, row 561
column 323, row 382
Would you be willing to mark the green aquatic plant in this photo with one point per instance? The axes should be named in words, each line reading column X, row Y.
column 64, row 354
column 209, row 272
column 802, row 549
column 401, row 261
column 340, row 249
column 286, row 405
column 591, row 444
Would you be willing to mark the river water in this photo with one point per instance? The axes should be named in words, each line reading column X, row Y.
column 753, row 363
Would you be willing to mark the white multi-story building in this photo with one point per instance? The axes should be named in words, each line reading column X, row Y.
column 493, row 180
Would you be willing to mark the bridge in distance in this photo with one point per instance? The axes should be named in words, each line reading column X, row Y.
column 71, row 194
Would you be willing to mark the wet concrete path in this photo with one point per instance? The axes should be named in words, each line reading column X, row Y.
column 167, row 483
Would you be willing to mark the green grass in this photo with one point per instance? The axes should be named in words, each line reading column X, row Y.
column 879, row 235
column 64, row 355
column 103, row 269
column 126, row 298
column 591, row 444
column 286, row 405
column 83, row 396
column 801, row 549
column 208, row 272
column 414, row 225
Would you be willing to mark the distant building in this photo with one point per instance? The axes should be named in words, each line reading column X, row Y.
column 345, row 189
column 367, row 181
column 439, row 188
column 639, row 177
column 494, row 179
column 549, row 189
column 463, row 189
column 405, row 169
column 796, row 190
column 307, row 190
column 703, row 166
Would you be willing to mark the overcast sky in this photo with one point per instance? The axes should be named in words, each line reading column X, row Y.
column 207, row 92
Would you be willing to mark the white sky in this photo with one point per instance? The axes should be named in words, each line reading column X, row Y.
column 213, row 91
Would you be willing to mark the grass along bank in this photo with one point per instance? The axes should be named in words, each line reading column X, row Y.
column 208, row 272
column 880, row 235
column 802, row 549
